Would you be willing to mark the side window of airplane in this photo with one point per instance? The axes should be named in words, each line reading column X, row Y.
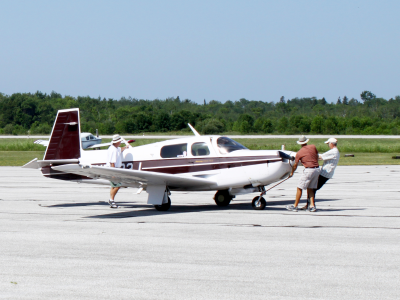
column 179, row 150
column 199, row 149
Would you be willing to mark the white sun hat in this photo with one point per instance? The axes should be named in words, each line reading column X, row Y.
column 302, row 140
column 116, row 138
column 331, row 140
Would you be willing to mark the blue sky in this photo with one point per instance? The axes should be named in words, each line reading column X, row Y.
column 221, row 50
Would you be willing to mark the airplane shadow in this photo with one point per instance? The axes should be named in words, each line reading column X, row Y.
column 175, row 209
column 302, row 201
column 101, row 203
column 145, row 210
column 77, row 204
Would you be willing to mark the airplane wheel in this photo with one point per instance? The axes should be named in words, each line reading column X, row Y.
column 258, row 205
column 222, row 198
column 164, row 206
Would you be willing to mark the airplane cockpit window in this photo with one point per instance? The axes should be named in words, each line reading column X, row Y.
column 179, row 150
column 227, row 145
column 199, row 149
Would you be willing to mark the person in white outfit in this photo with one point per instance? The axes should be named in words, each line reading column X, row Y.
column 114, row 160
column 331, row 159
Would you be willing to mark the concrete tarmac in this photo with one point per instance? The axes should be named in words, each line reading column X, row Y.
column 60, row 240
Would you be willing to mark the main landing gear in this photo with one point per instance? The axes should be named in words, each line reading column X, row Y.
column 164, row 206
column 222, row 198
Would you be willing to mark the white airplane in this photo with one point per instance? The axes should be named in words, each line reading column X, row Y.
column 198, row 163
column 88, row 140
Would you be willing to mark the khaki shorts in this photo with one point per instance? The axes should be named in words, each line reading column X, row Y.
column 115, row 185
column 309, row 179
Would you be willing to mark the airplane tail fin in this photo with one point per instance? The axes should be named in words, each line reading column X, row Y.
column 65, row 140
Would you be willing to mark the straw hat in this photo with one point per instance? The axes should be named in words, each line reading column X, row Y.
column 116, row 138
column 302, row 140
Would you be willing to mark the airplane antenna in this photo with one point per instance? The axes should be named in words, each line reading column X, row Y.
column 194, row 130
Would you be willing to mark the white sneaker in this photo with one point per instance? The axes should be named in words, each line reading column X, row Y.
column 291, row 207
column 112, row 204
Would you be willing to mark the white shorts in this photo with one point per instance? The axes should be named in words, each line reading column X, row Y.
column 309, row 179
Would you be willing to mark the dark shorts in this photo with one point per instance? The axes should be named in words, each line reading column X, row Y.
column 321, row 181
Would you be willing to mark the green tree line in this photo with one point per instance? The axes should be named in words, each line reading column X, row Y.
column 34, row 113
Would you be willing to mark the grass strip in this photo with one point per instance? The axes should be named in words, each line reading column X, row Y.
column 19, row 158
column 345, row 145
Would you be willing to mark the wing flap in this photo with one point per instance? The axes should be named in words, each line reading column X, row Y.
column 130, row 176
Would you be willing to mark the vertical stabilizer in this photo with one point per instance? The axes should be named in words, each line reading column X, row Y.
column 65, row 141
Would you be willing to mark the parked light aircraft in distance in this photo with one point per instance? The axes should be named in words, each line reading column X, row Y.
column 88, row 141
column 198, row 163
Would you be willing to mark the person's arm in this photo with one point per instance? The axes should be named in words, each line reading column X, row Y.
column 328, row 155
column 294, row 168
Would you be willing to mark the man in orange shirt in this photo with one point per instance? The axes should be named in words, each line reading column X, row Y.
column 308, row 155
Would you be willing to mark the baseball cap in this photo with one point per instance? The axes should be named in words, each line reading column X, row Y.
column 331, row 140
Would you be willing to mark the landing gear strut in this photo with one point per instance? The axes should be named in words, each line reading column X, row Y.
column 222, row 198
column 259, row 201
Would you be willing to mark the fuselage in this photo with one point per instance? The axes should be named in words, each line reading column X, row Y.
column 216, row 158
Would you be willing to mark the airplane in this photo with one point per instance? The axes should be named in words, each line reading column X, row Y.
column 88, row 141
column 198, row 163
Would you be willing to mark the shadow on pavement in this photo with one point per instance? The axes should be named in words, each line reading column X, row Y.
column 144, row 210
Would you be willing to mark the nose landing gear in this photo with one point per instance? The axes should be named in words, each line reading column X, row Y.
column 258, row 203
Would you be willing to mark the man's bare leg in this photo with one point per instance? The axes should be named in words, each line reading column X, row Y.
column 113, row 192
column 312, row 195
column 305, row 207
column 298, row 196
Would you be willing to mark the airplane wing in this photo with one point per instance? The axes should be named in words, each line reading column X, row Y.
column 134, row 176
column 109, row 144
column 41, row 142
column 99, row 145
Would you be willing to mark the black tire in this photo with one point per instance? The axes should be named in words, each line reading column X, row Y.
column 164, row 206
column 222, row 198
column 258, row 205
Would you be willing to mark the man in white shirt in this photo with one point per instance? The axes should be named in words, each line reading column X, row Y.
column 114, row 160
column 331, row 159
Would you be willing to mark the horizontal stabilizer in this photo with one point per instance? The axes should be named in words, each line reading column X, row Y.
column 41, row 142
column 37, row 164
column 135, row 176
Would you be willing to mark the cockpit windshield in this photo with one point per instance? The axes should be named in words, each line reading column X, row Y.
column 227, row 145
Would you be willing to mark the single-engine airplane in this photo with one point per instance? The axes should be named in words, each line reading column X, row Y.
column 88, row 141
column 198, row 163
